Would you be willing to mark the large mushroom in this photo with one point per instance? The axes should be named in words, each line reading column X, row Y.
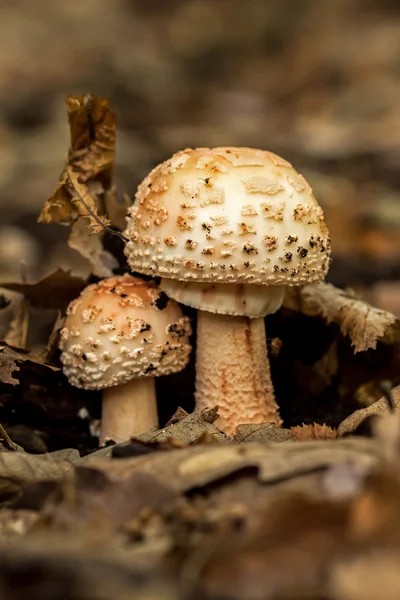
column 227, row 229
column 118, row 336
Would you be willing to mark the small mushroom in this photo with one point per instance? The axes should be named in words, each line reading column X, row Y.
column 118, row 336
column 227, row 230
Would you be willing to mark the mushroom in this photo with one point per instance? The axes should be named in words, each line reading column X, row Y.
column 227, row 229
column 118, row 336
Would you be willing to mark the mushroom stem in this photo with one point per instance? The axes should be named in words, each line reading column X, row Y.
column 128, row 410
column 233, row 372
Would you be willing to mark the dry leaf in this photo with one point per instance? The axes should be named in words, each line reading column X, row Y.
column 11, row 357
column 90, row 247
column 53, row 291
column 49, row 353
column 313, row 432
column 18, row 468
column 85, row 190
column 191, row 429
column 380, row 407
column 90, row 160
column 8, row 365
column 197, row 466
column 262, row 433
column 18, row 330
column 363, row 323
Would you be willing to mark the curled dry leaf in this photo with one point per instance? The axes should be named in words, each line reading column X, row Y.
column 8, row 365
column 10, row 358
column 363, row 323
column 55, row 290
column 380, row 407
column 313, row 432
column 90, row 159
column 195, row 428
column 84, row 189
column 201, row 465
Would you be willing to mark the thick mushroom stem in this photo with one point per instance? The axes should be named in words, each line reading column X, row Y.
column 128, row 410
column 232, row 370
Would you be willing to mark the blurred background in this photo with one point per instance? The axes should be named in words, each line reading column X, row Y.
column 317, row 82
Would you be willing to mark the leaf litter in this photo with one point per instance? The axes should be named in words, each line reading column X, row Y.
column 185, row 512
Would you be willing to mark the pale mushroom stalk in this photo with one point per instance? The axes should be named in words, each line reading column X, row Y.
column 232, row 365
column 232, row 370
column 128, row 410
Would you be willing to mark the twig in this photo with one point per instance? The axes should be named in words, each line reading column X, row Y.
column 6, row 438
column 95, row 216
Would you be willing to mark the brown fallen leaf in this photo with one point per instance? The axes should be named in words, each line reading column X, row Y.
column 85, row 190
column 90, row 158
column 10, row 358
column 51, row 349
column 196, row 466
column 263, row 433
column 363, row 323
column 90, row 247
column 8, row 365
column 53, row 291
column 18, row 329
column 380, row 407
column 194, row 428
column 313, row 432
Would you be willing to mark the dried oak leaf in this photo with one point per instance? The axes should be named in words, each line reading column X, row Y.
column 11, row 357
column 313, row 432
column 8, row 365
column 53, row 291
column 84, row 189
column 196, row 428
column 363, row 323
column 90, row 159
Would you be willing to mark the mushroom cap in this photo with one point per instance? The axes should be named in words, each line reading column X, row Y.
column 122, row 328
column 227, row 215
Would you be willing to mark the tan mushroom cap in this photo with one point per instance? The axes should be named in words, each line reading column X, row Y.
column 226, row 215
column 122, row 328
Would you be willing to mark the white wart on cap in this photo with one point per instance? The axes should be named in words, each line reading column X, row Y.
column 228, row 215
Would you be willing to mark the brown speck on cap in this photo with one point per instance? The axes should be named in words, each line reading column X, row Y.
column 302, row 252
column 249, row 248
column 270, row 242
column 182, row 224
column 245, row 228
column 273, row 211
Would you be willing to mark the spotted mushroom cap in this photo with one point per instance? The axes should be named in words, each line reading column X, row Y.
column 228, row 215
column 122, row 328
